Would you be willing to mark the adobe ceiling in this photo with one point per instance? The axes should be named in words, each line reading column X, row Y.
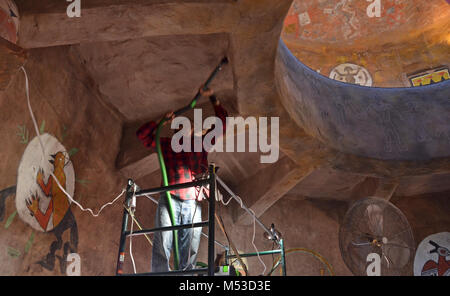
column 148, row 57
column 403, row 37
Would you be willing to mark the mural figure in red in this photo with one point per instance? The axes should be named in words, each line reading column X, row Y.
column 440, row 268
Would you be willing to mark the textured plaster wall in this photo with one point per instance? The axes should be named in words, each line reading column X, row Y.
column 69, row 103
column 314, row 224
column 426, row 213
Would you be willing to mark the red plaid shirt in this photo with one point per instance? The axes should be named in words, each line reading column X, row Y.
column 181, row 166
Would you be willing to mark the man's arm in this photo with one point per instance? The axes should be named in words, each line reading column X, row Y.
column 221, row 113
column 146, row 132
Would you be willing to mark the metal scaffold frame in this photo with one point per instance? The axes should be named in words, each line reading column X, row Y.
column 210, row 270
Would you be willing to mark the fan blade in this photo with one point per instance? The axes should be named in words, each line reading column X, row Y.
column 375, row 221
column 398, row 251
column 399, row 246
column 397, row 234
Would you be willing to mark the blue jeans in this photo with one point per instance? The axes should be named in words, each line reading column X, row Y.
column 188, row 239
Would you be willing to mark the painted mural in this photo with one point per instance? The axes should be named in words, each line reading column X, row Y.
column 326, row 33
column 351, row 73
column 40, row 202
column 9, row 21
column 334, row 21
column 429, row 77
column 433, row 256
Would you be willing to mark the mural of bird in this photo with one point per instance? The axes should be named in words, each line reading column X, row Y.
column 59, row 204
column 58, row 211
column 442, row 266
column 57, row 218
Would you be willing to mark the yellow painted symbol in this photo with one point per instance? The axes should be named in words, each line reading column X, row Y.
column 430, row 78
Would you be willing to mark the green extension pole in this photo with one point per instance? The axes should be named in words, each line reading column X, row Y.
column 162, row 164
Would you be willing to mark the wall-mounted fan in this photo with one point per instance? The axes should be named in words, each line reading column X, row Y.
column 374, row 227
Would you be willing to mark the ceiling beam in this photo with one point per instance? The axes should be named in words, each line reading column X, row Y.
column 382, row 188
column 265, row 188
column 12, row 57
column 141, row 168
column 388, row 169
column 134, row 160
column 386, row 189
column 111, row 20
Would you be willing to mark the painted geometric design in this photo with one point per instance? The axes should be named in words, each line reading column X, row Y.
column 351, row 73
column 430, row 78
column 339, row 20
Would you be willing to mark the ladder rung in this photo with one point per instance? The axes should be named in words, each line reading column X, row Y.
column 167, row 228
column 172, row 187
column 271, row 252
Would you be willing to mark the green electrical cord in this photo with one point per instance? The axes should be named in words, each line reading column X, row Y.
column 163, row 165
column 166, row 183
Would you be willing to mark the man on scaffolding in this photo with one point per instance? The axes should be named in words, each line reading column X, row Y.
column 181, row 167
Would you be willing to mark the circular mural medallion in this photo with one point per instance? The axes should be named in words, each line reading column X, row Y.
column 40, row 202
column 351, row 73
column 433, row 256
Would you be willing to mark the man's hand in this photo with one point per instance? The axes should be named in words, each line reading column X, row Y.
column 206, row 92
column 214, row 100
column 169, row 117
